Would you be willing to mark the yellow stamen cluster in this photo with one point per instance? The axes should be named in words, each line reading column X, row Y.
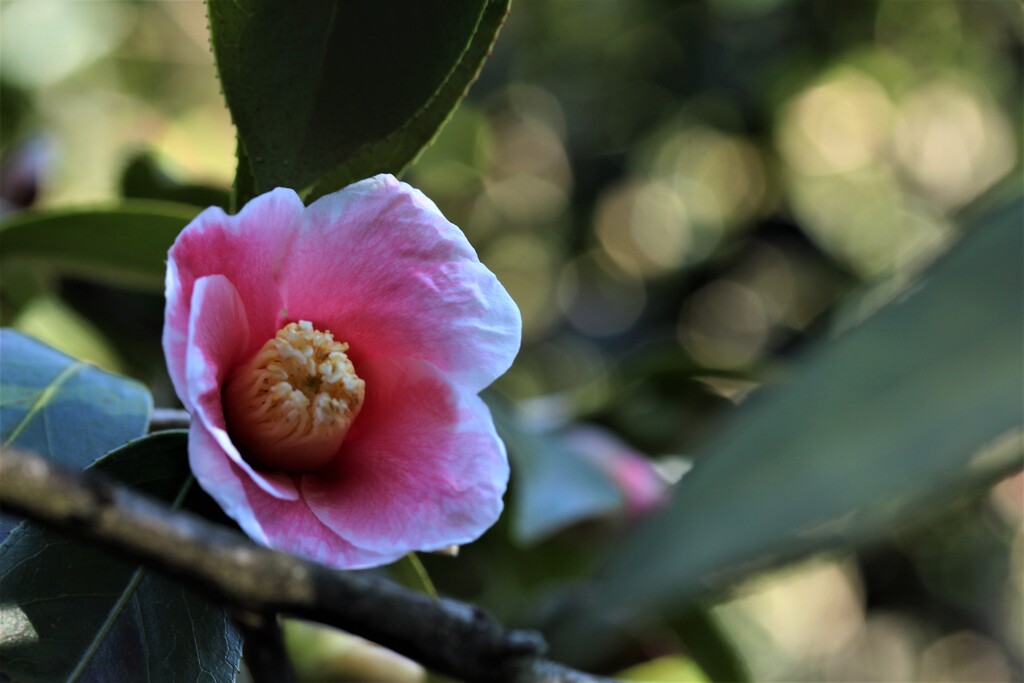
column 290, row 407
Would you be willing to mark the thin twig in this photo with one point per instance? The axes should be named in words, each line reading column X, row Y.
column 451, row 637
column 168, row 418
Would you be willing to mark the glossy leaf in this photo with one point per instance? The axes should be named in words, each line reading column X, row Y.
column 124, row 244
column 62, row 408
column 72, row 613
column 350, row 89
column 397, row 151
column 922, row 400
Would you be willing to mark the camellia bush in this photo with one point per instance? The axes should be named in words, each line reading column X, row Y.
column 331, row 339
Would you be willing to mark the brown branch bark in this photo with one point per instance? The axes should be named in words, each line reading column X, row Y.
column 453, row 638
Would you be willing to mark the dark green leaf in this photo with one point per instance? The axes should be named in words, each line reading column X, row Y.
column 709, row 645
column 124, row 243
column 921, row 400
column 344, row 90
column 398, row 150
column 143, row 178
column 20, row 283
column 244, row 186
column 72, row 613
column 588, row 639
column 65, row 409
column 62, row 408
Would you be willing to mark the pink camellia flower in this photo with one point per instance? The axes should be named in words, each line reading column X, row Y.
column 331, row 358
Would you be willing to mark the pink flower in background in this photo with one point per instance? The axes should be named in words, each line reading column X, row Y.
column 643, row 489
column 331, row 358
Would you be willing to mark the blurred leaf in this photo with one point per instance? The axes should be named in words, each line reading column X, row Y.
column 411, row 573
column 321, row 653
column 869, row 428
column 453, row 163
column 71, row 612
column 671, row 669
column 143, row 178
column 20, row 283
column 123, row 244
column 327, row 93
column 53, row 322
column 554, row 488
column 588, row 639
column 709, row 646
column 16, row 110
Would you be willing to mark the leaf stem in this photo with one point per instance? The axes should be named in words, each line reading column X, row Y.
column 169, row 418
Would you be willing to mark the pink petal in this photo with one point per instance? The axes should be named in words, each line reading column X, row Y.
column 422, row 468
column 641, row 485
column 287, row 525
column 292, row 526
column 379, row 266
column 222, row 479
column 218, row 333
column 429, row 326
column 248, row 249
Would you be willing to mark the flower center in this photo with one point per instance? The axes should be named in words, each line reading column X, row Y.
column 290, row 407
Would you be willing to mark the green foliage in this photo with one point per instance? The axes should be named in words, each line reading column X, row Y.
column 73, row 613
column 398, row 149
column 348, row 90
column 710, row 646
column 870, row 427
column 669, row 669
column 48, row 319
column 143, row 178
column 718, row 176
column 124, row 243
column 126, row 620
column 65, row 409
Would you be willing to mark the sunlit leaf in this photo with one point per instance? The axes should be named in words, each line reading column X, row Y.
column 920, row 401
column 123, row 243
column 322, row 654
column 65, row 409
column 51, row 321
column 71, row 612
column 349, row 89
column 62, row 408
column 668, row 669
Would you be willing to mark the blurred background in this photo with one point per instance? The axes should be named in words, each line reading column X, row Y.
column 679, row 196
